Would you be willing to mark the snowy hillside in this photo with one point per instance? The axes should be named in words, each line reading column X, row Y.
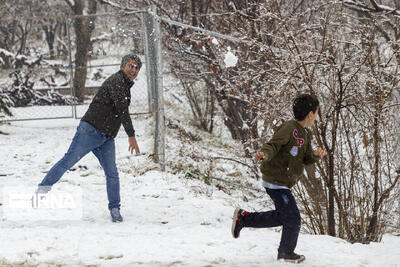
column 168, row 220
column 239, row 64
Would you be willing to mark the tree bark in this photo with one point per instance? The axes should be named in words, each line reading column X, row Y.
column 50, row 27
column 84, row 27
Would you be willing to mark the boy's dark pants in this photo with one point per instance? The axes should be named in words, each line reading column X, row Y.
column 286, row 214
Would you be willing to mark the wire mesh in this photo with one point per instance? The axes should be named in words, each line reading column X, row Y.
column 38, row 78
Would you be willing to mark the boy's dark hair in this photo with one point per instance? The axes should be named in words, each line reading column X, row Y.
column 303, row 104
column 133, row 57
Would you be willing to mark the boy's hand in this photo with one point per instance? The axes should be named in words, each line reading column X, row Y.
column 259, row 156
column 319, row 152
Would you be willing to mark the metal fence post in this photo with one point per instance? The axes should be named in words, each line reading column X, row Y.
column 71, row 71
column 153, row 52
column 148, row 25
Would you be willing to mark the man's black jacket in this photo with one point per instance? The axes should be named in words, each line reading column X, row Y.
column 110, row 106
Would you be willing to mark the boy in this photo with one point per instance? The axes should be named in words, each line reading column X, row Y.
column 284, row 157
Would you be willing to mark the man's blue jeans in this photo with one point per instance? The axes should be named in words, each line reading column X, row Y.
column 89, row 139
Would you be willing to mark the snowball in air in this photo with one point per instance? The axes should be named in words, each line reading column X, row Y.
column 230, row 59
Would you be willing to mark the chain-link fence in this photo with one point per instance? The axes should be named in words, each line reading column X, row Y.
column 45, row 83
column 63, row 61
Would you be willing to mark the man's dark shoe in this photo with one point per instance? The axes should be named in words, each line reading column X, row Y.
column 43, row 189
column 291, row 257
column 237, row 222
column 116, row 215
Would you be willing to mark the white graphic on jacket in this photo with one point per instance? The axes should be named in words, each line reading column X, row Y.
column 300, row 142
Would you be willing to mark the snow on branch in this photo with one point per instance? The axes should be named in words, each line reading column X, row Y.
column 23, row 60
column 357, row 6
column 6, row 53
column 387, row 9
column 118, row 6
column 103, row 37
column 377, row 8
column 70, row 3
column 208, row 32
column 110, row 3
column 19, row 60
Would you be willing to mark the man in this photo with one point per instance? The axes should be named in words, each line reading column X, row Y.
column 97, row 130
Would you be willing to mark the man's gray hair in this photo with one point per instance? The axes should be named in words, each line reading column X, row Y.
column 133, row 57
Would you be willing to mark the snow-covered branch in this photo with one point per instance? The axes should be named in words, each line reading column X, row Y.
column 6, row 53
column 208, row 32
column 19, row 60
column 103, row 37
column 377, row 8
column 111, row 3
column 70, row 3
column 118, row 6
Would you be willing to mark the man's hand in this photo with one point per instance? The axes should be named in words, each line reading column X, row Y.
column 259, row 156
column 133, row 145
column 319, row 152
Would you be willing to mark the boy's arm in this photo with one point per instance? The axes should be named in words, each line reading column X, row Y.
column 311, row 157
column 280, row 138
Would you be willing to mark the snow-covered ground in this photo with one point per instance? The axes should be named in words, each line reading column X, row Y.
column 168, row 220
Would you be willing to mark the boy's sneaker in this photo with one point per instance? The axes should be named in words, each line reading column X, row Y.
column 291, row 257
column 116, row 215
column 237, row 222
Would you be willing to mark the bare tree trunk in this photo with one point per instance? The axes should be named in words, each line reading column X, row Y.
column 331, row 202
column 373, row 223
column 372, row 231
column 194, row 13
column 24, row 30
column 50, row 29
column 84, row 27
